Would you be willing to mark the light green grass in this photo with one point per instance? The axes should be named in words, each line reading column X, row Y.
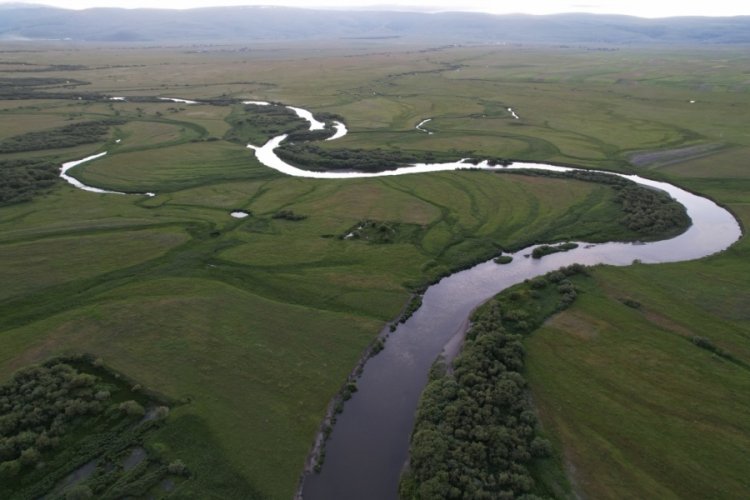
column 259, row 372
column 258, row 321
column 147, row 133
column 637, row 408
column 27, row 266
column 172, row 168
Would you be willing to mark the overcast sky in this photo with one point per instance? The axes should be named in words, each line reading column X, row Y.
column 642, row 8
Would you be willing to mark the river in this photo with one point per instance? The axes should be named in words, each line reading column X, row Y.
column 369, row 443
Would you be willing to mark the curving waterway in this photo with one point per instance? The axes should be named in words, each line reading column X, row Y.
column 80, row 185
column 420, row 126
column 369, row 443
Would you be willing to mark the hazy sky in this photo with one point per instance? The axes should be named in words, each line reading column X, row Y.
column 643, row 8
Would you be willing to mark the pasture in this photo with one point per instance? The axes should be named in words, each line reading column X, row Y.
column 255, row 323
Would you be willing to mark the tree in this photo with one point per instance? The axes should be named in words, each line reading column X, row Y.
column 132, row 408
column 29, row 457
column 178, row 468
column 10, row 469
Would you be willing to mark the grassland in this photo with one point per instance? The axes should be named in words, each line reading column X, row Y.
column 665, row 418
column 255, row 323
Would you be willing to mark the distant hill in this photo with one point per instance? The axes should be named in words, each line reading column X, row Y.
column 25, row 21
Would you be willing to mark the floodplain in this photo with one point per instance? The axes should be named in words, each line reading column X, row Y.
column 251, row 326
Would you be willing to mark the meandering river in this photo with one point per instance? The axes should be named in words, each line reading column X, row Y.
column 369, row 443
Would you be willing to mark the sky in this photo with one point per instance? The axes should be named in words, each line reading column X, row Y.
column 641, row 8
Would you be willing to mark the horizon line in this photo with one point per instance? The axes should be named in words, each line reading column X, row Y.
column 375, row 7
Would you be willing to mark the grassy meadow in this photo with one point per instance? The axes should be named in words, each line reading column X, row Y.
column 253, row 324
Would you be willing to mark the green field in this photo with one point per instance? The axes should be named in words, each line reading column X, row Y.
column 255, row 323
column 637, row 407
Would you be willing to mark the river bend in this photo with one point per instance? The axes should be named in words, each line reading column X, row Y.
column 369, row 444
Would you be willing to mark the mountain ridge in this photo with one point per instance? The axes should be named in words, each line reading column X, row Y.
column 246, row 23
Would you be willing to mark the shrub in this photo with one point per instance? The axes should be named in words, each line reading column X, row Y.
column 161, row 412
column 288, row 215
column 538, row 283
column 10, row 469
column 378, row 345
column 632, row 303
column 132, row 408
column 543, row 250
column 29, row 457
column 22, row 179
column 475, row 430
column 541, row 448
column 101, row 395
column 61, row 137
column 178, row 468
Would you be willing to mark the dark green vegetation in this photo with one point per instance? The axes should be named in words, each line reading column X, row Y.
column 61, row 137
column 72, row 414
column 414, row 304
column 475, row 434
column 651, row 213
column 21, row 179
column 27, row 87
column 378, row 232
column 543, row 250
column 314, row 157
column 259, row 321
column 288, row 215
column 254, row 124
column 503, row 259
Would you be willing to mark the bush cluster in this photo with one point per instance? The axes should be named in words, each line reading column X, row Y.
column 383, row 232
column 310, row 135
column 651, row 212
column 60, row 137
column 31, row 81
column 475, row 434
column 260, row 123
column 543, row 250
column 37, row 406
column 22, row 179
column 60, row 416
column 503, row 259
column 492, row 162
column 288, row 215
column 365, row 160
column 414, row 304
column 26, row 88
